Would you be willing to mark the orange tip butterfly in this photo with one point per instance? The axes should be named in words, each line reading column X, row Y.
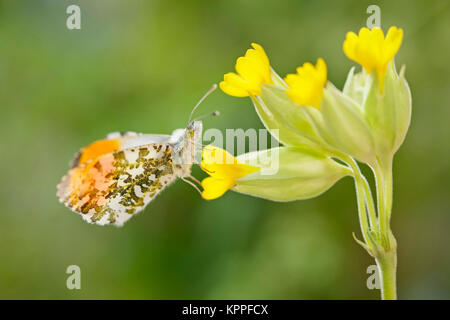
column 112, row 179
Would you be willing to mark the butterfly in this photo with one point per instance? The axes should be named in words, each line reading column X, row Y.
column 112, row 179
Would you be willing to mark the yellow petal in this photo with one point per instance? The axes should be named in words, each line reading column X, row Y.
column 218, row 162
column 249, row 69
column 234, row 85
column 372, row 50
column 224, row 170
column 212, row 156
column 214, row 188
column 306, row 87
column 349, row 45
column 253, row 70
column 262, row 54
column 392, row 43
column 321, row 73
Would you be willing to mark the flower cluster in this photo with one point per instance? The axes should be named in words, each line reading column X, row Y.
column 325, row 131
column 367, row 120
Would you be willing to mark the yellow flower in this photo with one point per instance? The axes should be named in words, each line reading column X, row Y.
column 306, row 86
column 224, row 170
column 372, row 50
column 252, row 71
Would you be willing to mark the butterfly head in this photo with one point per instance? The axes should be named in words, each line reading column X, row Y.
column 187, row 143
column 193, row 137
column 187, row 146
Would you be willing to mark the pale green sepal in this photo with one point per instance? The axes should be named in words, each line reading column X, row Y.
column 388, row 113
column 279, row 112
column 277, row 80
column 302, row 173
column 347, row 130
column 404, row 103
column 357, row 86
column 362, row 244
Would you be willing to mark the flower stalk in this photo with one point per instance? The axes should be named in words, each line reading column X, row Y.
column 378, row 238
column 387, row 267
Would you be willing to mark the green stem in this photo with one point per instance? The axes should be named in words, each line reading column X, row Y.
column 360, row 197
column 362, row 209
column 381, row 201
column 370, row 205
column 383, row 247
column 389, row 191
column 387, row 266
column 386, row 255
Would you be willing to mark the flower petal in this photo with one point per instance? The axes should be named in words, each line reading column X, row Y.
column 214, row 188
column 218, row 162
column 306, row 86
column 253, row 70
column 224, row 169
column 372, row 50
column 234, row 85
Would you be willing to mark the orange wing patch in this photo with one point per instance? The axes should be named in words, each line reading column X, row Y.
column 113, row 186
column 98, row 148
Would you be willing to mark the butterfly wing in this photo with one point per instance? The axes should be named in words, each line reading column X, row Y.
column 108, row 185
column 116, row 141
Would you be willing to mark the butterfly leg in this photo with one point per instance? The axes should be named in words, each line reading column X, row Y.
column 195, row 180
column 192, row 184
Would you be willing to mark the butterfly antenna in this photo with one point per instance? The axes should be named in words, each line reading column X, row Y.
column 212, row 114
column 214, row 87
column 200, row 144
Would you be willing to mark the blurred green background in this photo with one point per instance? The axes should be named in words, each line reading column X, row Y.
column 141, row 66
